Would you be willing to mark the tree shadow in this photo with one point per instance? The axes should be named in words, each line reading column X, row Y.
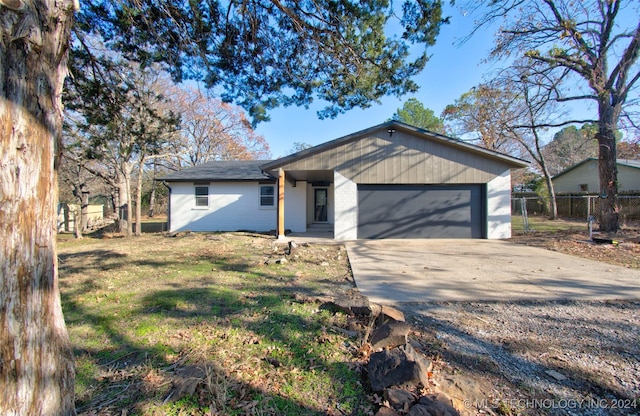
column 139, row 357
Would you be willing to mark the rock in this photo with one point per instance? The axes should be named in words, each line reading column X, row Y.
column 302, row 298
column 433, row 405
column 463, row 389
column 385, row 411
column 292, row 248
column 353, row 305
column 556, row 375
column 375, row 309
column 392, row 334
column 186, row 381
column 387, row 312
column 271, row 261
column 401, row 367
column 399, row 399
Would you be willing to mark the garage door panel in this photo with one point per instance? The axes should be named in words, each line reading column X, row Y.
column 393, row 211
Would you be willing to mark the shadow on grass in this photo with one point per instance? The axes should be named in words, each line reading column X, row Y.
column 136, row 354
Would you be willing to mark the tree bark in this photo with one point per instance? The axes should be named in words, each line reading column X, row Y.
column 81, row 193
column 608, row 169
column 36, row 362
column 138, row 230
column 77, row 220
column 152, row 196
column 84, row 207
column 124, row 203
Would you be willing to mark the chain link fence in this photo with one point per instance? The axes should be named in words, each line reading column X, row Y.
column 574, row 206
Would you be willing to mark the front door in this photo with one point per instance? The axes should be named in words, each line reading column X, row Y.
column 321, row 198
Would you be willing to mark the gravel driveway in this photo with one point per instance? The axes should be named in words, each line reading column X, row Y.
column 513, row 329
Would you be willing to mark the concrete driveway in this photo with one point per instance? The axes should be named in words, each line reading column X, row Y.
column 400, row 271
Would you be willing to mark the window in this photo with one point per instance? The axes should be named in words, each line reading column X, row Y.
column 584, row 187
column 202, row 196
column 267, row 195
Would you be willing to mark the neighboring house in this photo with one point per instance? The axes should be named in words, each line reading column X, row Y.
column 389, row 181
column 584, row 177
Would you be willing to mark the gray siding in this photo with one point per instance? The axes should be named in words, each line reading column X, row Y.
column 421, row 211
column 402, row 158
column 588, row 174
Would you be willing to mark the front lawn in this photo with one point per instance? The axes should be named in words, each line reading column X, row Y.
column 201, row 324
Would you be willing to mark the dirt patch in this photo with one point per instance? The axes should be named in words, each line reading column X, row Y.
column 624, row 250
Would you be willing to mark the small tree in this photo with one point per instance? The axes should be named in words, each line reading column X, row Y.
column 121, row 125
column 414, row 113
column 209, row 130
column 570, row 146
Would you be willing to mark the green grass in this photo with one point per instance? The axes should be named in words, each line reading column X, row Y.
column 544, row 224
column 140, row 310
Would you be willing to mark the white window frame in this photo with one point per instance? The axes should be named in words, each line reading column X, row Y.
column 200, row 197
column 261, row 195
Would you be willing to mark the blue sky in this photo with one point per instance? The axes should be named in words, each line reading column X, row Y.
column 452, row 70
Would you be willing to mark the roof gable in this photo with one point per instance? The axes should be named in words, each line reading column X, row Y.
column 391, row 152
column 620, row 162
column 396, row 153
column 390, row 128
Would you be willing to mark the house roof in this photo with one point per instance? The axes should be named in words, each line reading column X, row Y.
column 252, row 170
column 620, row 162
column 393, row 125
column 222, row 170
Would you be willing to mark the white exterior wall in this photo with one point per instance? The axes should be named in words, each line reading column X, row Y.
column 499, row 207
column 234, row 206
column 346, row 208
column 295, row 217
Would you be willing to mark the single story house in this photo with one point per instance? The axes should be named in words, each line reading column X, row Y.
column 388, row 181
column 584, row 177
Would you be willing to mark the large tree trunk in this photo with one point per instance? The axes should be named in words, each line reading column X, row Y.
column 608, row 169
column 36, row 362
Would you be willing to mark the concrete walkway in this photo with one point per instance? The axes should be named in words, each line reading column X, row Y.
column 400, row 271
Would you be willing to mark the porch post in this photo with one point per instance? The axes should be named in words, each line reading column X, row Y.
column 280, row 221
